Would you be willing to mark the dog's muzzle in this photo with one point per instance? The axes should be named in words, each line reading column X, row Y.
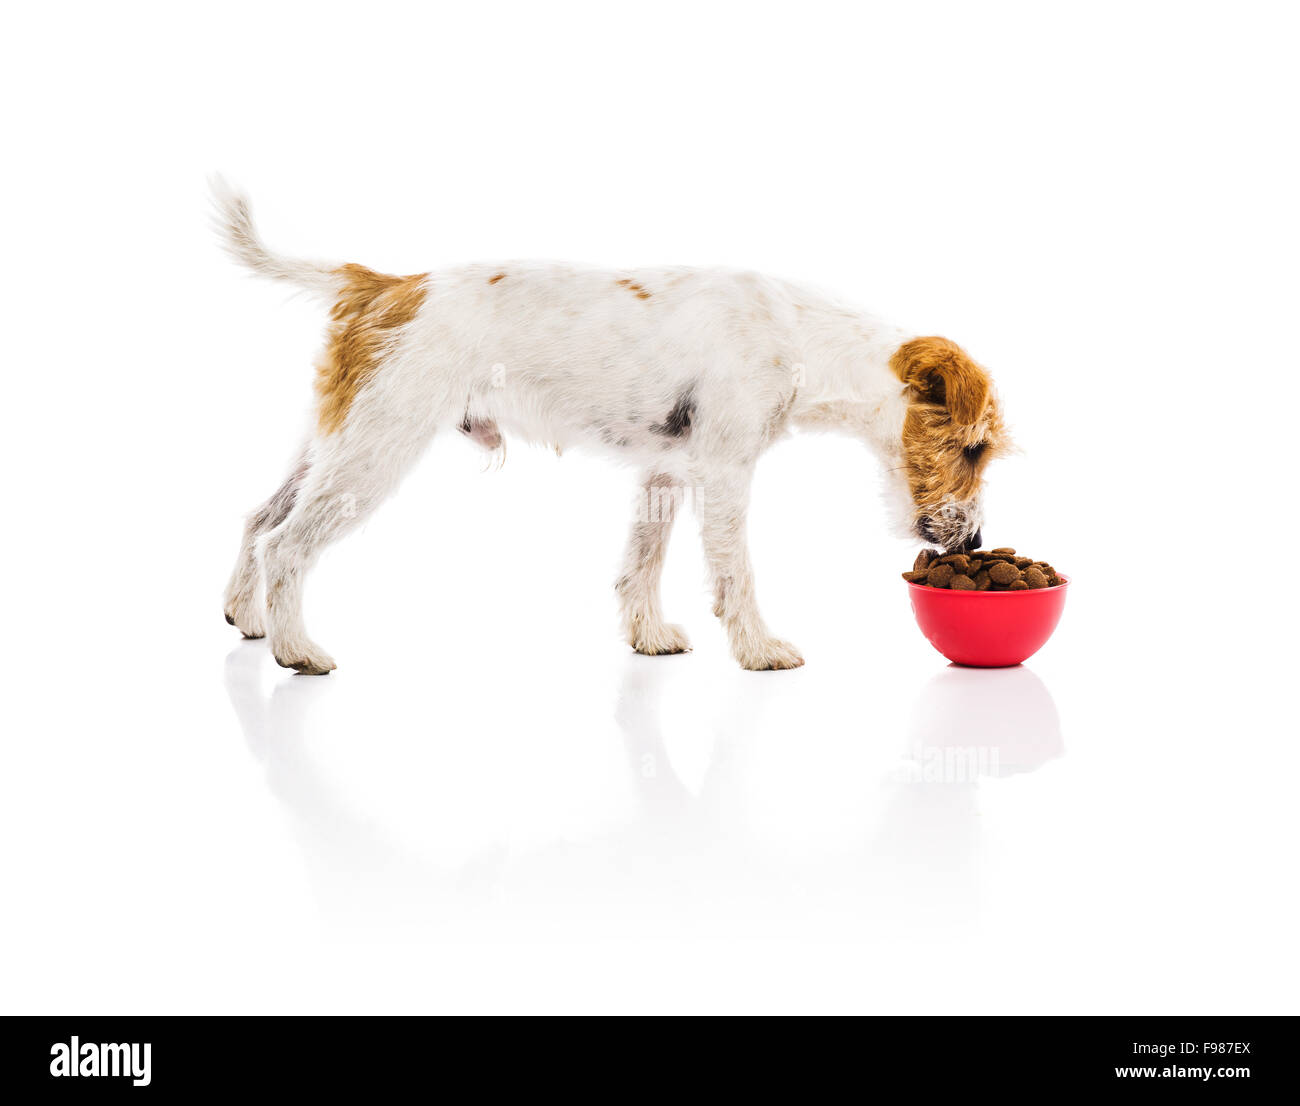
column 936, row 534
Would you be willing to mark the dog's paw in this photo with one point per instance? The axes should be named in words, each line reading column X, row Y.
column 303, row 657
column 661, row 640
column 247, row 619
column 768, row 655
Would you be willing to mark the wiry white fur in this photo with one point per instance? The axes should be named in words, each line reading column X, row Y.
column 569, row 357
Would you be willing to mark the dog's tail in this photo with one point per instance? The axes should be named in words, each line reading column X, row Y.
column 234, row 222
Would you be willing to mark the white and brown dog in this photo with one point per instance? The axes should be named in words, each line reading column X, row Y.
column 688, row 374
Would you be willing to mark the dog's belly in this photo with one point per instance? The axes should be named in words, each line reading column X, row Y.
column 619, row 439
column 645, row 424
column 625, row 444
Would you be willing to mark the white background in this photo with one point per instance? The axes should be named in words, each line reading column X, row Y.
column 493, row 805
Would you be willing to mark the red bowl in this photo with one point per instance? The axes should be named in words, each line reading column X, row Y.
column 988, row 629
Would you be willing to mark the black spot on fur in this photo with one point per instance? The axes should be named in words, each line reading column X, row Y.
column 678, row 422
column 465, row 425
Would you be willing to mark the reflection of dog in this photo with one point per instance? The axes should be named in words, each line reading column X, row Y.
column 690, row 374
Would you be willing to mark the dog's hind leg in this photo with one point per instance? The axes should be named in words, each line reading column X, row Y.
column 638, row 587
column 243, row 602
column 721, row 504
column 352, row 472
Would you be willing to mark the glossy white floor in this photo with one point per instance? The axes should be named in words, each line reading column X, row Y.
column 492, row 805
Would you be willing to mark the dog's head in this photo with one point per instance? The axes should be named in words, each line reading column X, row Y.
column 952, row 428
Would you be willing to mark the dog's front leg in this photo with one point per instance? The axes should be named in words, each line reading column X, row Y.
column 722, row 501
column 638, row 587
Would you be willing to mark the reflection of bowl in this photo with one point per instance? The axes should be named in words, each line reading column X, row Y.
column 1005, row 718
column 988, row 629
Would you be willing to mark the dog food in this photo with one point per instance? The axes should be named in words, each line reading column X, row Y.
column 1001, row 569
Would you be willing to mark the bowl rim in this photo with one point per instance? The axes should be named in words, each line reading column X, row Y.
column 1065, row 583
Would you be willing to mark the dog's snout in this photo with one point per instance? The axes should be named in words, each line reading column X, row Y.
column 950, row 533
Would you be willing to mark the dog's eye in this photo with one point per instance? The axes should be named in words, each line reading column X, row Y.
column 973, row 453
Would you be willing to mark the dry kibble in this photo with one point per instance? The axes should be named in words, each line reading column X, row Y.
column 940, row 576
column 1004, row 573
column 999, row 569
column 1034, row 577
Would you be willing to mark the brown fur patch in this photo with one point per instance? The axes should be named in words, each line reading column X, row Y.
column 952, row 411
column 633, row 286
column 499, row 276
column 370, row 306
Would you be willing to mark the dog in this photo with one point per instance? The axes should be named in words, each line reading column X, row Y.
column 687, row 374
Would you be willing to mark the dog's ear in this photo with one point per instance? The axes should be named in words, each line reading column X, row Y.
column 938, row 371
